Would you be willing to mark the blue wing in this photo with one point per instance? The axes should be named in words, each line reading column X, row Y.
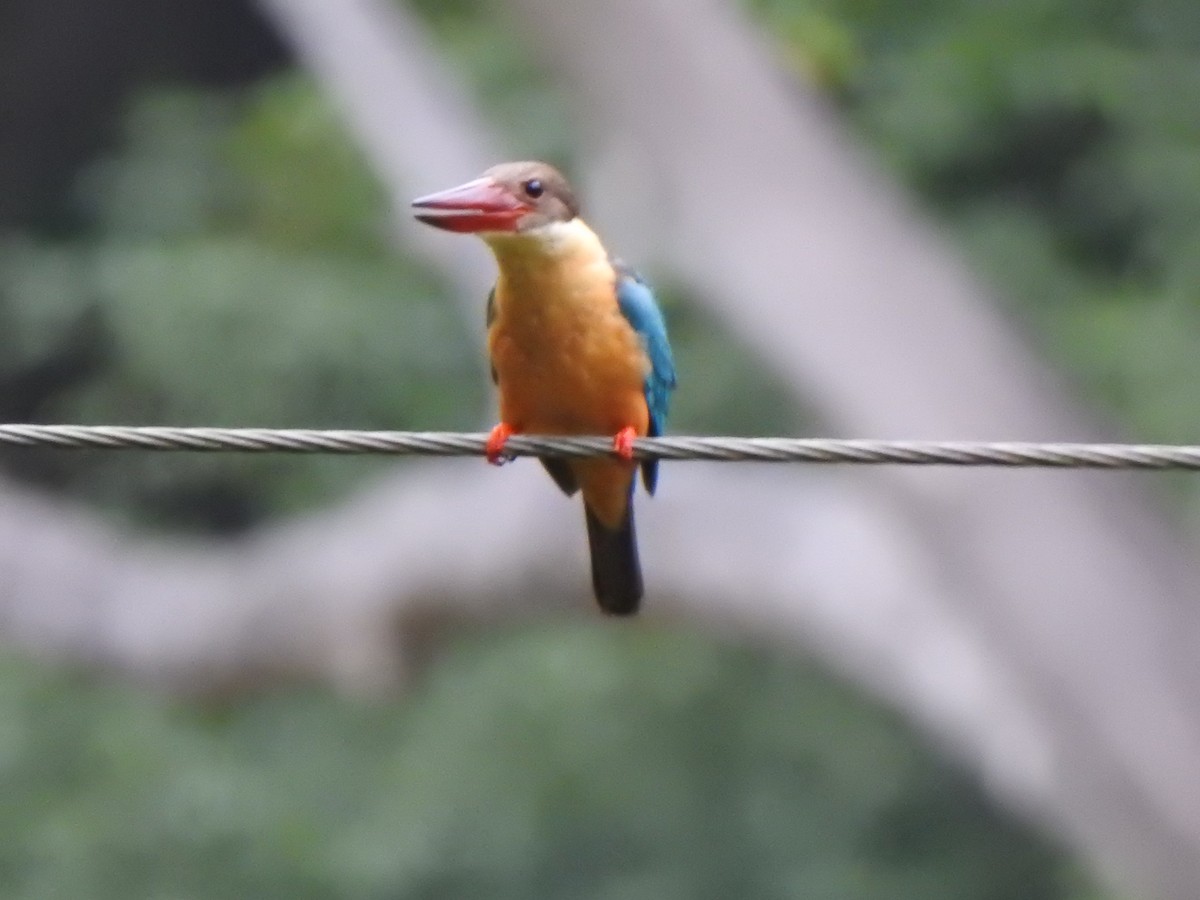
column 637, row 304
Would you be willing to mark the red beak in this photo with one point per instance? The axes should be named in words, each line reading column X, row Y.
column 479, row 205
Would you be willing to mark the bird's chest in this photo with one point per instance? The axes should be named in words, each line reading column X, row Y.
column 566, row 359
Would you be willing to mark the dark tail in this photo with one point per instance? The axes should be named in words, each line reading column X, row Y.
column 616, row 573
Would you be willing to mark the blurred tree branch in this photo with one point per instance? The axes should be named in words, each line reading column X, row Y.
column 1039, row 622
column 406, row 108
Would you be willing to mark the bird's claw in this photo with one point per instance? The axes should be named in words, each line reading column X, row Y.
column 623, row 443
column 495, row 444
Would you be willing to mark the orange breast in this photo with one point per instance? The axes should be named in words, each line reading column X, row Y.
column 566, row 360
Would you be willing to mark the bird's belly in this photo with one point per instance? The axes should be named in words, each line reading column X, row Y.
column 580, row 378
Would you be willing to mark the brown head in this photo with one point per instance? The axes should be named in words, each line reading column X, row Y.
column 509, row 198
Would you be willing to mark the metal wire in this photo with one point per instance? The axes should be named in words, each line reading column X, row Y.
column 715, row 449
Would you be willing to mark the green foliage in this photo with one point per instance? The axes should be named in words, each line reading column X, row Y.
column 569, row 762
column 813, row 40
column 1062, row 149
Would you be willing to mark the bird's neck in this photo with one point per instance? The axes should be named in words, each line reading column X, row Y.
column 560, row 271
column 565, row 246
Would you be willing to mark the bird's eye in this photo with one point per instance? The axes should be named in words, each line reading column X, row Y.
column 533, row 188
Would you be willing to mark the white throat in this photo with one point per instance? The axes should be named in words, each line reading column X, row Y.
column 554, row 240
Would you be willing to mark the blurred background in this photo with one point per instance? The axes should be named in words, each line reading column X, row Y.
column 237, row 676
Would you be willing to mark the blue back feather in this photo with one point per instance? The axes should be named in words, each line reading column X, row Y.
column 637, row 304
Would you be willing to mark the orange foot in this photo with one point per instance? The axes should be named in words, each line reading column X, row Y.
column 623, row 443
column 495, row 444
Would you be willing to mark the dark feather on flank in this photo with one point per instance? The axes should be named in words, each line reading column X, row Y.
column 560, row 471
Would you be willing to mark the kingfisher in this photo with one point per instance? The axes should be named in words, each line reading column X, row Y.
column 578, row 346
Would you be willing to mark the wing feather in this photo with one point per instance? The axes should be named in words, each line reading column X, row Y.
column 640, row 309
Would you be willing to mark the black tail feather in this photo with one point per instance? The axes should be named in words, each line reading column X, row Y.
column 616, row 572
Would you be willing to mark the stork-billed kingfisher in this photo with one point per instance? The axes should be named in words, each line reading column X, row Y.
column 578, row 345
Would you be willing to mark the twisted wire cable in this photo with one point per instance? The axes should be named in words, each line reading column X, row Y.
column 713, row 449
